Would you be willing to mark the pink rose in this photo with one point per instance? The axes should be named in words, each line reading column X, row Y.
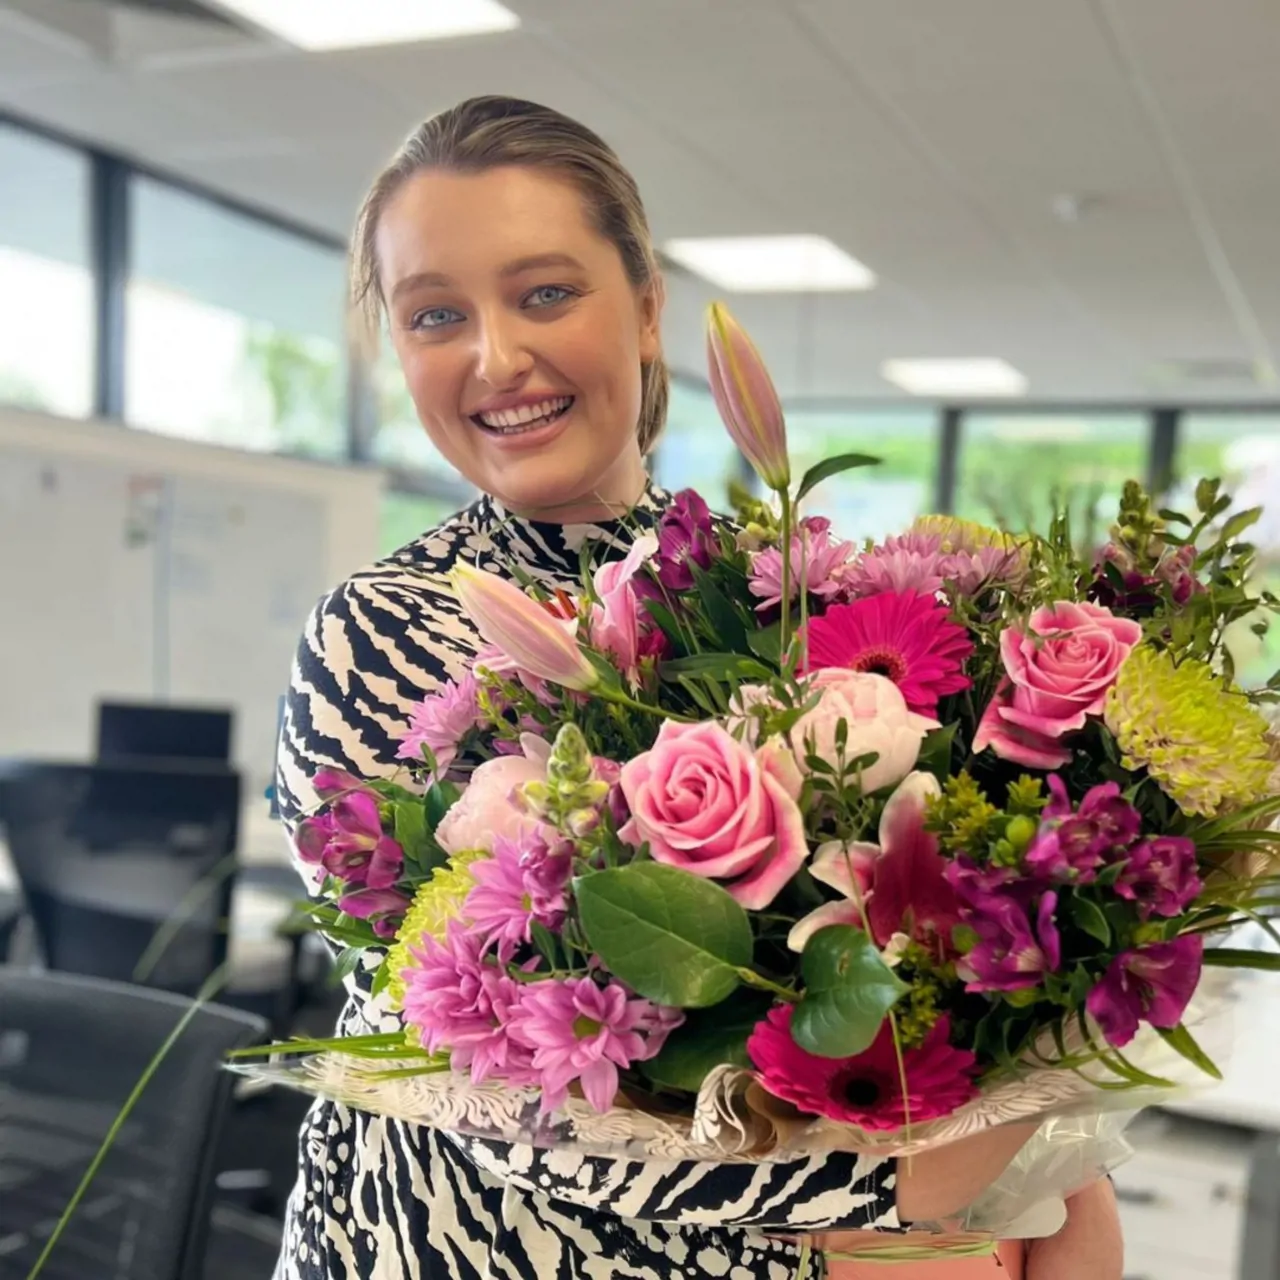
column 1057, row 674
column 708, row 804
column 490, row 805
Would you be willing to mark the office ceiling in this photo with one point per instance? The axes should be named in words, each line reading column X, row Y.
column 1089, row 190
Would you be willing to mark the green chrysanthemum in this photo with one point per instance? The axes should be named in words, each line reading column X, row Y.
column 1203, row 743
column 437, row 902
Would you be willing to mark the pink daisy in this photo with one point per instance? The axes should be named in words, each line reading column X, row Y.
column 523, row 882
column 577, row 1030
column 865, row 1090
column 817, row 560
column 910, row 562
column 440, row 721
column 902, row 635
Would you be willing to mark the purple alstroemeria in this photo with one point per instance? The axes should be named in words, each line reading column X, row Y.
column 1071, row 847
column 383, row 908
column 348, row 842
column 1150, row 984
column 686, row 535
column 1014, row 950
column 1161, row 875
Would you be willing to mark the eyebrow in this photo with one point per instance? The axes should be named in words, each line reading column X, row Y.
column 426, row 279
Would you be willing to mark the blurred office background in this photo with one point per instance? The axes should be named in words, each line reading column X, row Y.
column 1052, row 235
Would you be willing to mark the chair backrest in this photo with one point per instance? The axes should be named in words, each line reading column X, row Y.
column 108, row 855
column 158, row 731
column 71, row 1051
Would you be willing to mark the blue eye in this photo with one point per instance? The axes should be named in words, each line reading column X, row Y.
column 548, row 295
column 435, row 318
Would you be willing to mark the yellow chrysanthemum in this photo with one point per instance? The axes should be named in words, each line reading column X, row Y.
column 437, row 902
column 962, row 535
column 1203, row 743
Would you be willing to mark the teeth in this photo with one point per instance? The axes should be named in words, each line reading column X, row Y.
column 525, row 415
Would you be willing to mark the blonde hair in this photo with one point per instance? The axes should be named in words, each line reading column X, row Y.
column 490, row 132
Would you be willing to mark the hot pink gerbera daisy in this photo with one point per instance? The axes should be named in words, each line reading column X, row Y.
column 902, row 635
column 865, row 1090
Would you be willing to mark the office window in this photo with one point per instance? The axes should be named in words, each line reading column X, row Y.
column 46, row 321
column 406, row 516
column 1014, row 466
column 234, row 328
column 869, row 502
column 695, row 451
column 1243, row 451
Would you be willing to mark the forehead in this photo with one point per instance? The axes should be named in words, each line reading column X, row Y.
column 460, row 223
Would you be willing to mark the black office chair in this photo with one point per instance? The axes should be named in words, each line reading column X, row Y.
column 71, row 1051
column 127, row 869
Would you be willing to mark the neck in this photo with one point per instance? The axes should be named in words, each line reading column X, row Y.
column 616, row 492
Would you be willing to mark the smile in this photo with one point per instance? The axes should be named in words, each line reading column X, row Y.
column 527, row 417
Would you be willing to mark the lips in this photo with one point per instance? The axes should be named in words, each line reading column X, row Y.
column 522, row 418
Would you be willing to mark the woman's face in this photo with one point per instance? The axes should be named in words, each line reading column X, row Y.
column 520, row 336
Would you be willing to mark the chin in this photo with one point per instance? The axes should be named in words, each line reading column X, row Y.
column 543, row 484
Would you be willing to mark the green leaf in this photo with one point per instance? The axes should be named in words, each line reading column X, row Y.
column 410, row 827
column 440, row 798
column 1184, row 1042
column 1206, row 494
column 1239, row 522
column 381, row 980
column 1233, row 958
column 546, row 943
column 673, row 937
column 667, row 621
column 829, row 467
column 708, row 1039
column 766, row 643
column 725, row 620
column 720, row 666
column 848, row 991
column 1088, row 915
column 344, row 964
column 1173, row 517
column 935, row 751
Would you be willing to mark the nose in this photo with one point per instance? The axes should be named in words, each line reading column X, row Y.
column 502, row 360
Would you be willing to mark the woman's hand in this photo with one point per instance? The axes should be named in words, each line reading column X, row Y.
column 936, row 1185
column 1089, row 1247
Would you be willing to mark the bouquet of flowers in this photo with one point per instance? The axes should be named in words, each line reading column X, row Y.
column 762, row 842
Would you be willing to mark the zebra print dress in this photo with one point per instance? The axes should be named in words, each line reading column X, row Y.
column 377, row 1199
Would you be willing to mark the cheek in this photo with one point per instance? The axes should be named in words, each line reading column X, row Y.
column 433, row 380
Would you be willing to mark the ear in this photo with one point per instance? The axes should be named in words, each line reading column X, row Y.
column 651, row 301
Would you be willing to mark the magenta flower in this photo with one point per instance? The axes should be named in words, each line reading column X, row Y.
column 686, row 536
column 1161, row 875
column 1152, row 984
column 332, row 782
column 865, row 1090
column 460, row 1000
column 975, row 884
column 383, row 908
column 817, row 561
column 440, row 721
column 1013, row 951
column 1072, row 847
column 970, row 572
column 348, row 842
column 577, row 1030
column 523, row 882
column 908, row 562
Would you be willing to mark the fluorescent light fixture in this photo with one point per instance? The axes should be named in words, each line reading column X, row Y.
column 347, row 24
column 982, row 376
column 772, row 264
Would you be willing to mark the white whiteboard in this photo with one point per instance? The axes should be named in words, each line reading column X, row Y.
column 143, row 568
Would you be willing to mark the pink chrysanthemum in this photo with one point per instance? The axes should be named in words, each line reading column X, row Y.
column 577, row 1030
column 817, row 560
column 902, row 635
column 909, row 562
column 440, row 721
column 523, row 882
column 459, row 999
column 865, row 1090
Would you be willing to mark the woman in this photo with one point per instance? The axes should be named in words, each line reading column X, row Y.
column 508, row 249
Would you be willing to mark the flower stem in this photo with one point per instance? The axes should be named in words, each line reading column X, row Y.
column 785, row 622
column 754, row 979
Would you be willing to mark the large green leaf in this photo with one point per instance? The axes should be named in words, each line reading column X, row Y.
column 848, row 991
column 726, row 621
column 935, row 751
column 833, row 467
column 671, row 936
column 708, row 1039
